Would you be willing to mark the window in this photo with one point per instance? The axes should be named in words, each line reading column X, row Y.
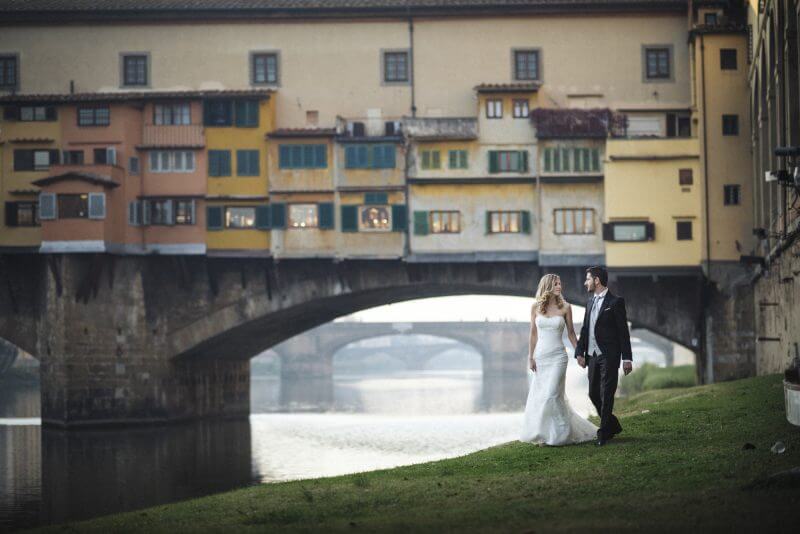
column 184, row 211
column 431, row 159
column 583, row 159
column 445, row 222
column 73, row 206
column 219, row 162
column 159, row 211
column 240, row 217
column 679, row 125
column 22, row 214
column 172, row 161
column 710, row 19
column 264, row 68
column 494, row 108
column 685, row 177
column 246, row 113
column 303, row 216
column 172, row 114
column 573, row 221
column 684, row 230
column 629, row 231
column 369, row 156
column 37, row 113
column 72, row 157
column 657, row 63
column 505, row 222
column 526, row 64
column 247, row 163
column 395, row 67
column 34, row 160
column 374, row 219
column 730, row 125
column 302, row 156
column 133, row 165
column 732, row 194
column 521, row 108
column 458, row 159
column 94, row 116
column 218, row 112
column 727, row 59
column 9, row 74
column 134, row 70
column 508, row 161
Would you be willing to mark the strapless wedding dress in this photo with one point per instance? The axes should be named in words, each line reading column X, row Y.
column 549, row 419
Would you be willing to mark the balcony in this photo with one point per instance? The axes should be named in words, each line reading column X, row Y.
column 441, row 128
column 373, row 128
column 184, row 136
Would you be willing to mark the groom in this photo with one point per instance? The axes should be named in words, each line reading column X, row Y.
column 604, row 341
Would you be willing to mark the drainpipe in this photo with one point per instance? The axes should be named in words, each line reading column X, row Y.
column 706, row 327
column 411, row 60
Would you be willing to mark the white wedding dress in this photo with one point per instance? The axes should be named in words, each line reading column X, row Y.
column 549, row 419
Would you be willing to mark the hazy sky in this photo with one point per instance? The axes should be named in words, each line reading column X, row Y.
column 461, row 308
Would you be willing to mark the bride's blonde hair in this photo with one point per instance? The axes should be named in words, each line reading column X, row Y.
column 545, row 292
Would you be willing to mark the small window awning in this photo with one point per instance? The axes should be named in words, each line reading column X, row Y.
column 522, row 87
column 94, row 179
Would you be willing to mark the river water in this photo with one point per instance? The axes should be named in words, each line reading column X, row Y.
column 355, row 423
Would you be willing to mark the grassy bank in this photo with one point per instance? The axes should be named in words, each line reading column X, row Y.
column 680, row 465
column 648, row 377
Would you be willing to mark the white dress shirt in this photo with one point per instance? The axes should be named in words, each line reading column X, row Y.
column 596, row 307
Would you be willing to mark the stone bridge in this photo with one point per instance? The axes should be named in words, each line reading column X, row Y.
column 126, row 339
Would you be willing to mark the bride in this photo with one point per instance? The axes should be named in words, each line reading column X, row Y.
column 549, row 419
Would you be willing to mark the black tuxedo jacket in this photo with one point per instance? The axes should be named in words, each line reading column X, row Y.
column 610, row 331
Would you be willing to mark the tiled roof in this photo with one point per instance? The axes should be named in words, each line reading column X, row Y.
column 120, row 96
column 526, row 87
column 96, row 179
column 303, row 132
column 21, row 140
column 576, row 123
column 17, row 10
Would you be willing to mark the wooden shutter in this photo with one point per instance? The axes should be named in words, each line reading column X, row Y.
column 47, row 206
column 462, row 159
column 11, row 214
column 97, row 205
column 671, row 125
column 420, row 223
column 320, row 156
column 325, row 211
column 23, row 160
column 225, row 163
column 111, row 155
column 284, row 155
column 55, row 156
column 523, row 156
column 50, row 113
column 377, row 156
column 213, row 163
column 608, row 232
column 214, row 217
column 426, row 159
column 11, row 113
column 278, row 215
column 363, row 156
column 650, row 230
column 349, row 218
column 376, row 198
column 263, row 217
column 526, row 221
column 548, row 159
column 452, row 157
column 350, row 157
column 399, row 217
column 493, row 162
column 246, row 113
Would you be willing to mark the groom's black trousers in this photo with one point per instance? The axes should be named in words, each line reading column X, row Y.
column 603, row 378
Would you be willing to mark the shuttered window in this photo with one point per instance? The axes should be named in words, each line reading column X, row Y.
column 368, row 156
column 508, row 161
column 247, row 163
column 219, row 162
column 302, row 156
column 457, row 159
column 349, row 218
column 246, row 113
column 22, row 214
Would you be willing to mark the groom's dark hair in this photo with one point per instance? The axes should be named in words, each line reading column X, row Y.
column 599, row 272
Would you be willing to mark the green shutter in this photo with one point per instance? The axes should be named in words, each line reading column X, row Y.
column 349, row 218
column 426, row 159
column 493, row 162
column 263, row 217
column 595, row 159
column 246, row 113
column 225, row 163
column 565, row 159
column 488, row 222
column 548, row 159
column 462, row 159
column 523, row 156
column 296, row 156
column 278, row 215
column 452, row 159
column 420, row 223
column 377, row 156
column 526, row 222
column 437, row 161
column 350, row 157
column 325, row 215
column 399, row 215
column 242, row 168
column 307, row 159
column 284, row 157
column 214, row 217
column 376, row 198
column 321, row 156
column 556, row 160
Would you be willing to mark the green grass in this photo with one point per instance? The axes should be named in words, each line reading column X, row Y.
column 680, row 466
column 650, row 376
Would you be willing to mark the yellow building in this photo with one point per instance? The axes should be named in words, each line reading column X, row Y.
column 30, row 141
column 238, row 214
